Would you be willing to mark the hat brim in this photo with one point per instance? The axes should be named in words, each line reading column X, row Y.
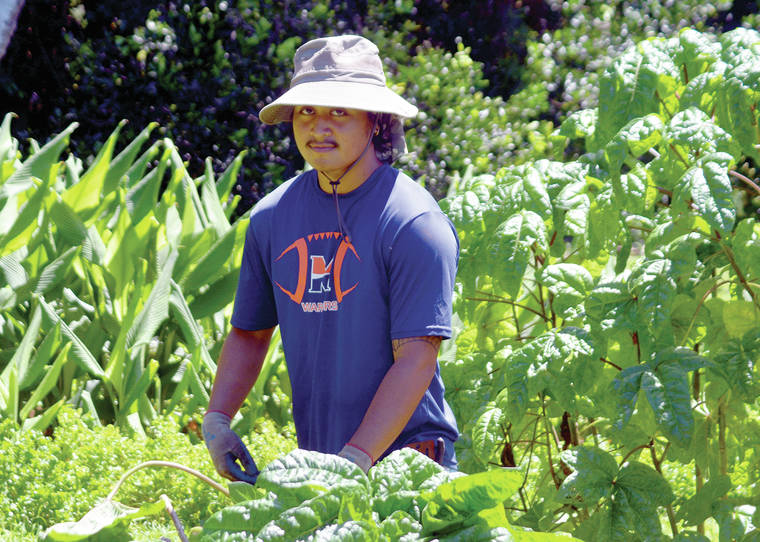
column 375, row 98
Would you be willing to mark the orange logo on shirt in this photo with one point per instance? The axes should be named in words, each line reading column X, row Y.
column 315, row 271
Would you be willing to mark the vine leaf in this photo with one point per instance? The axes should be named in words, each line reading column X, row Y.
column 512, row 244
column 708, row 189
column 700, row 507
column 665, row 384
column 557, row 362
column 487, row 433
column 570, row 284
column 630, row 495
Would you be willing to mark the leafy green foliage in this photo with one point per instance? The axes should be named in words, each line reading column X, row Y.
column 609, row 305
column 58, row 479
column 313, row 496
column 117, row 280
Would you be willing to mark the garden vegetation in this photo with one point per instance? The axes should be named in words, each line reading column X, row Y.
column 600, row 164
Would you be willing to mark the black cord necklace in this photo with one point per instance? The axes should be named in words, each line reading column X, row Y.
column 342, row 229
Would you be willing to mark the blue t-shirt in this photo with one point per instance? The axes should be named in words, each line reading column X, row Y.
column 339, row 304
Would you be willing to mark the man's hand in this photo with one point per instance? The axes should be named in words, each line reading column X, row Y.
column 357, row 455
column 225, row 448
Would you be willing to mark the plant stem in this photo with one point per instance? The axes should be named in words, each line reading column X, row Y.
column 549, row 431
column 608, row 362
column 508, row 302
column 730, row 255
column 678, row 155
column 745, row 180
column 175, row 518
column 658, row 467
column 722, row 436
column 696, row 389
column 199, row 475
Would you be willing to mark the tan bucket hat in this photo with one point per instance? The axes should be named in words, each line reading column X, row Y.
column 338, row 71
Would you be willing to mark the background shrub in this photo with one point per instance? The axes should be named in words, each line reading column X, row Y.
column 203, row 69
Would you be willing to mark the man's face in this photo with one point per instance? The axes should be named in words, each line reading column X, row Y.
column 330, row 138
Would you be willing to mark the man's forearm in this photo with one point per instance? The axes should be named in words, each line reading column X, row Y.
column 239, row 365
column 397, row 397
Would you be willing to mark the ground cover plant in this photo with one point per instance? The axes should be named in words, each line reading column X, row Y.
column 50, row 479
column 610, row 305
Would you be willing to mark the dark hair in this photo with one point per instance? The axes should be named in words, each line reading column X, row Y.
column 383, row 141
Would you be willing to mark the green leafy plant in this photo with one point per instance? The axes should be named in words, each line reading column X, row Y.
column 610, row 305
column 312, row 496
column 59, row 476
column 114, row 280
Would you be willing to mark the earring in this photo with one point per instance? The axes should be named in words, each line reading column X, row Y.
column 377, row 131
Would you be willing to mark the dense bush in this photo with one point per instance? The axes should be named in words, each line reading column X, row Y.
column 563, row 65
column 203, row 69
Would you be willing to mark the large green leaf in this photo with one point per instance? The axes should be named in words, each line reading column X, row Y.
column 248, row 516
column 49, row 381
column 510, row 249
column 211, row 203
column 80, row 352
column 214, row 262
column 629, row 494
column 638, row 136
column 693, row 133
column 664, row 382
column 457, row 503
column 22, row 356
column 708, row 190
column 122, row 162
column 634, row 85
column 570, row 284
column 349, row 531
column 191, row 331
column 736, row 365
column 24, row 221
column 156, row 307
column 696, row 52
column 746, row 246
column 518, row 189
column 487, row 433
column 304, row 518
column 654, row 287
column 594, row 471
column 397, row 482
column 303, row 474
column 559, row 362
column 41, row 165
column 87, row 194
column 107, row 522
column 700, row 507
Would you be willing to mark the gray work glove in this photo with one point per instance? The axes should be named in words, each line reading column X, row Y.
column 357, row 455
column 225, row 448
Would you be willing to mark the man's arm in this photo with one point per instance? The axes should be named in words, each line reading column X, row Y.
column 240, row 362
column 239, row 365
column 398, row 395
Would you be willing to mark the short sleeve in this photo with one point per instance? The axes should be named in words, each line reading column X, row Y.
column 254, row 301
column 423, row 265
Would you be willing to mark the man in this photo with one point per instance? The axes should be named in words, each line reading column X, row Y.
column 356, row 263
